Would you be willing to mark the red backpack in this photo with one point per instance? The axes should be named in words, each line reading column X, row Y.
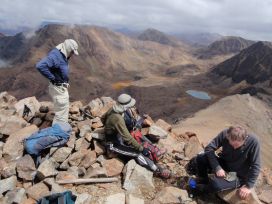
column 155, row 152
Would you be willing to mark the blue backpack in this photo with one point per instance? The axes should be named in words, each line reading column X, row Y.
column 54, row 136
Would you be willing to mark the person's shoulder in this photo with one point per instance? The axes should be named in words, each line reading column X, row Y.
column 223, row 134
column 55, row 53
column 253, row 138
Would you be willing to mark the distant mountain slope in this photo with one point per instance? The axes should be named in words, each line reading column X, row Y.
column 12, row 47
column 2, row 35
column 227, row 45
column 252, row 64
column 201, row 39
column 159, row 37
column 104, row 56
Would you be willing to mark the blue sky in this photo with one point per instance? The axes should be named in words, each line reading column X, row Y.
column 251, row 19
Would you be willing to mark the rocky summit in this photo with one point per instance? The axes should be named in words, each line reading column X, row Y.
column 82, row 162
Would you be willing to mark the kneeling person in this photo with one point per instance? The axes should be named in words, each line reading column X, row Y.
column 240, row 155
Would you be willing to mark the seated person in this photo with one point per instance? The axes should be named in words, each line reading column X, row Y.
column 120, row 141
column 240, row 156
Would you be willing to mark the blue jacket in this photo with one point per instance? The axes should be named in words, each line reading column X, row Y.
column 54, row 67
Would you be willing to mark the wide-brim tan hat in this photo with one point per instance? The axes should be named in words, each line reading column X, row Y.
column 126, row 101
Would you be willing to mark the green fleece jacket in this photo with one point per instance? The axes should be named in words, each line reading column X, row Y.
column 115, row 124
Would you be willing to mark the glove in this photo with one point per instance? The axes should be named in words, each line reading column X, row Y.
column 146, row 152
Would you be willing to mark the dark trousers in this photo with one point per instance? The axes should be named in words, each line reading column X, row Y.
column 215, row 184
column 128, row 152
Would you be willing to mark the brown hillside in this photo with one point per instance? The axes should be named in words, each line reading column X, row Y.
column 226, row 45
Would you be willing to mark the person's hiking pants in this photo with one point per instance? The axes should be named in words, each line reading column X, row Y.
column 60, row 97
column 215, row 184
column 131, row 153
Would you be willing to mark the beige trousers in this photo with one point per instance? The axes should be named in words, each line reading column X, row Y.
column 60, row 97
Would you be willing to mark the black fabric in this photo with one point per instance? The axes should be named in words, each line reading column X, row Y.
column 204, row 167
column 127, row 152
column 215, row 184
column 220, row 184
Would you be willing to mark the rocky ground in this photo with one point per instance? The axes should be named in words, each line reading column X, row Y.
column 83, row 157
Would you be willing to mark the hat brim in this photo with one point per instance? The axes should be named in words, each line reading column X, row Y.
column 75, row 52
column 130, row 104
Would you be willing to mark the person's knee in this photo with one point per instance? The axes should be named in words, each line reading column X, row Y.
column 202, row 159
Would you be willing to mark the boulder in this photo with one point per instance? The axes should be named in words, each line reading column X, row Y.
column 171, row 195
column 88, row 159
column 31, row 103
column 65, row 165
column 98, row 134
column 137, row 179
column 61, row 154
column 26, row 168
column 7, row 169
column 17, row 195
column 156, row 132
column 38, row 191
column 16, row 140
column 266, row 195
column 94, row 107
column 11, row 124
column 29, row 201
column 6, row 100
column 131, row 199
column 193, row 147
column 76, row 158
column 81, row 143
column 232, row 197
column 47, row 169
column 55, row 188
column 95, row 171
column 98, row 148
column 8, row 184
column 44, row 109
column 164, row 125
column 171, row 144
column 50, row 116
column 119, row 198
column 97, row 123
column 113, row 167
column 84, row 127
column 83, row 198
column 75, row 106
column 72, row 140
column 65, row 175
column 48, row 104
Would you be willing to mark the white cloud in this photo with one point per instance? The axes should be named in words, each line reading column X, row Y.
column 249, row 18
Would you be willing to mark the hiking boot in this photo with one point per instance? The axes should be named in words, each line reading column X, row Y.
column 163, row 173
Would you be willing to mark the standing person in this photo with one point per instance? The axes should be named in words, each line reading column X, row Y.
column 238, row 166
column 120, row 141
column 56, row 69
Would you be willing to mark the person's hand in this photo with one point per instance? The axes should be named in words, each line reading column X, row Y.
column 244, row 192
column 221, row 173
